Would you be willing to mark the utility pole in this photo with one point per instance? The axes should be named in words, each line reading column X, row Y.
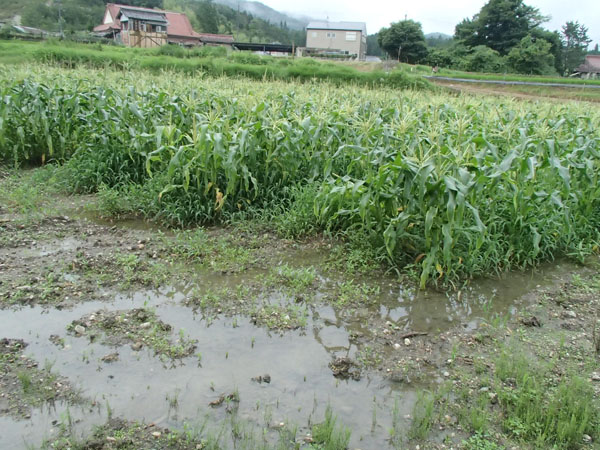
column 60, row 19
column 399, row 50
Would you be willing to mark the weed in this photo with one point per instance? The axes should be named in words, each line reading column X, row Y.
column 329, row 435
column 422, row 415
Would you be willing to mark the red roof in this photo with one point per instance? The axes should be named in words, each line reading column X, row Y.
column 178, row 23
column 591, row 64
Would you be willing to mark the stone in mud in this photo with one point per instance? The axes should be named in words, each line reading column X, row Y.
column 79, row 329
column 343, row 367
column 233, row 397
column 8, row 346
column 111, row 357
column 266, row 378
column 531, row 322
column 137, row 346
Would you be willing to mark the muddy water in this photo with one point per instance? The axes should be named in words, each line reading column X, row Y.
column 139, row 386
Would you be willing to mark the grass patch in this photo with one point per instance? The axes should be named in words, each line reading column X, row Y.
column 423, row 416
column 202, row 61
column 515, row 77
column 138, row 327
column 329, row 435
column 541, row 413
column 25, row 385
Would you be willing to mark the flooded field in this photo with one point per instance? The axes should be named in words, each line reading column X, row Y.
column 120, row 334
column 250, row 348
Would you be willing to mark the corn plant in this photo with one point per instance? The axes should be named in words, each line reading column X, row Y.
column 453, row 187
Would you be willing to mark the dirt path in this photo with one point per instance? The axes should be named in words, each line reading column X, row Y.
column 518, row 92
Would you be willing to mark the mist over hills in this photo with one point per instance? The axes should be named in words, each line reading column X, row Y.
column 265, row 12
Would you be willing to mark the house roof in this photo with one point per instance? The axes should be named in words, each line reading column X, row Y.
column 344, row 26
column 591, row 64
column 216, row 38
column 29, row 30
column 149, row 16
column 178, row 24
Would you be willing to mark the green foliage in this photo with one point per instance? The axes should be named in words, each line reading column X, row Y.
column 448, row 187
column 483, row 59
column 373, row 47
column 404, row 41
column 532, row 56
column 575, row 40
column 422, row 416
column 329, row 435
column 76, row 14
column 556, row 46
column 214, row 61
column 480, row 441
column 549, row 416
column 500, row 25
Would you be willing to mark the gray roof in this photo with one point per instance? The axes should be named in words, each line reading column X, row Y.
column 147, row 16
column 591, row 64
column 345, row 26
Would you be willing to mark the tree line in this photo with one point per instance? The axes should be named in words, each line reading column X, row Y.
column 505, row 36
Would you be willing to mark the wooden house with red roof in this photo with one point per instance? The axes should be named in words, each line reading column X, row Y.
column 134, row 26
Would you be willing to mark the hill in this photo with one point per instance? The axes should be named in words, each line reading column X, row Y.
column 442, row 36
column 262, row 11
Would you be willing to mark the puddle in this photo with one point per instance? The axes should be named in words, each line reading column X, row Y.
column 141, row 387
column 231, row 351
column 67, row 244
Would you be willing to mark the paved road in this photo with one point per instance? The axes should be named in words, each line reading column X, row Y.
column 517, row 83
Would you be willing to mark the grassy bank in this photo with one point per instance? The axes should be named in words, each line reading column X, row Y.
column 211, row 61
column 569, row 92
column 423, row 70
column 444, row 187
column 516, row 77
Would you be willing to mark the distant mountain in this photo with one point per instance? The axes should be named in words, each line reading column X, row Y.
column 438, row 36
column 264, row 12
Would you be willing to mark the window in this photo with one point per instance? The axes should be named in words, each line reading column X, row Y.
column 330, row 35
column 314, row 34
column 351, row 36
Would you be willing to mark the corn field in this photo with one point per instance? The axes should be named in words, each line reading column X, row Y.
column 450, row 186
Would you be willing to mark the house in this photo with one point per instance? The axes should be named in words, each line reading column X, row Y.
column 340, row 38
column 144, row 27
column 590, row 68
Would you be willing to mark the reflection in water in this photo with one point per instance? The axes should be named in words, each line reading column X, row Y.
column 138, row 385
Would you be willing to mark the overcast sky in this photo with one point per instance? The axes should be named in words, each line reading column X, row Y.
column 435, row 15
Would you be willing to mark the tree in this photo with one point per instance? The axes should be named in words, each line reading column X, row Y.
column 532, row 56
column 373, row 48
column 575, row 41
column 143, row 3
column 207, row 16
column 404, row 41
column 556, row 46
column 484, row 59
column 441, row 57
column 500, row 25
